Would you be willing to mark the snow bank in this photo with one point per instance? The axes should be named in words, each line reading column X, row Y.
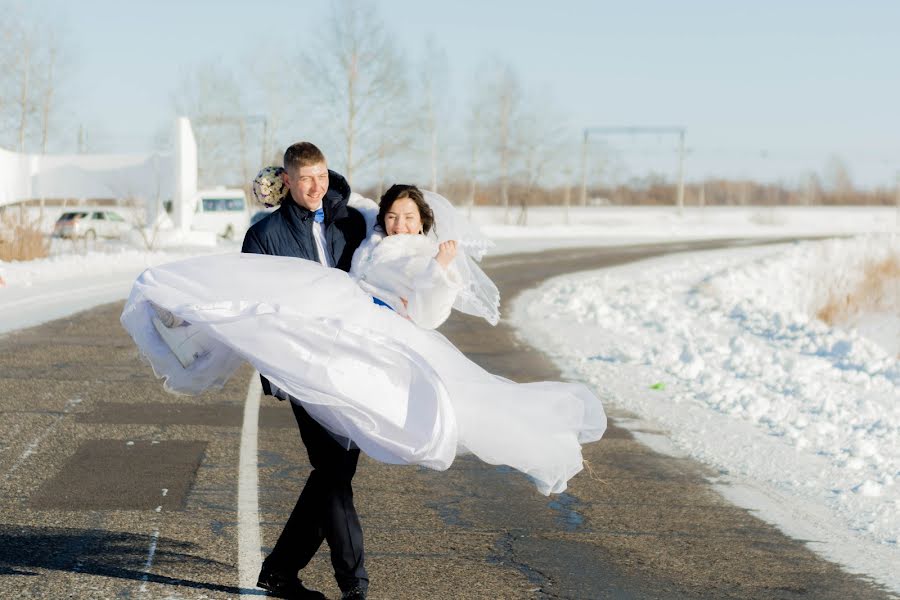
column 41, row 290
column 553, row 227
column 725, row 351
column 705, row 222
column 103, row 262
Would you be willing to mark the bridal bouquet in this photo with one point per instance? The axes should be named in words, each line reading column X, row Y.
column 268, row 187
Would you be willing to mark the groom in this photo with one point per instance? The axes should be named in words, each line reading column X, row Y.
column 315, row 223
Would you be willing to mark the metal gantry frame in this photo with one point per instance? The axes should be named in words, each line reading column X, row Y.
column 897, row 192
column 675, row 130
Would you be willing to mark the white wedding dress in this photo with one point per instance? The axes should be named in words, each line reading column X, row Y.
column 400, row 391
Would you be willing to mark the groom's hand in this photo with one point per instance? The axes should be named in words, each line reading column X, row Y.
column 446, row 253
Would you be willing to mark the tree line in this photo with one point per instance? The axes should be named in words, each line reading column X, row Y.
column 381, row 116
column 32, row 62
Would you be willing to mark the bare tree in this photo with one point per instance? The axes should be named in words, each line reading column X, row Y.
column 542, row 153
column 522, row 138
column 497, row 109
column 29, row 80
column 145, row 209
column 837, row 179
column 7, row 60
column 212, row 98
column 475, row 127
column 47, row 98
column 434, row 93
column 361, row 85
column 813, row 189
column 48, row 80
column 22, row 77
column 275, row 93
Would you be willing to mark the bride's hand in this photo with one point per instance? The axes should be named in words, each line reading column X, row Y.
column 446, row 253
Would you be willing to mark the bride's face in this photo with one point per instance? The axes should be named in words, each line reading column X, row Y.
column 403, row 217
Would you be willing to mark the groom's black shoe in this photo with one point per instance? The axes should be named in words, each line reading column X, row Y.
column 357, row 593
column 284, row 585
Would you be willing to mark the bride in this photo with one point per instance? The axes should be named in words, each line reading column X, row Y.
column 359, row 350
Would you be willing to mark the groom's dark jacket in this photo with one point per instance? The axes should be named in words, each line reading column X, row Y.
column 288, row 231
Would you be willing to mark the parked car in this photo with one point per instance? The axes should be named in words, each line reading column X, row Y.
column 221, row 211
column 90, row 224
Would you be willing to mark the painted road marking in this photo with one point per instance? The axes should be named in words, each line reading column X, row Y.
column 249, row 539
column 32, row 447
column 154, row 539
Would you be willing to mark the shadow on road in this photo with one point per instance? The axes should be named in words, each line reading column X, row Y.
column 27, row 550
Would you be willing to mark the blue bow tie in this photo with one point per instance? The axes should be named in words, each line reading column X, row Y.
column 319, row 216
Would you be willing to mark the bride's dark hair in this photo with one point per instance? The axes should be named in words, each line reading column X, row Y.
column 399, row 191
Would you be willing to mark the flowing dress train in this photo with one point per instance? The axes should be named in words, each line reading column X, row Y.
column 402, row 393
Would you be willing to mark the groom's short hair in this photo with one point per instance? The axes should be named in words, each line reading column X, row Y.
column 302, row 154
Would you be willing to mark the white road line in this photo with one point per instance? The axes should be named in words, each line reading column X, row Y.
column 249, row 540
column 154, row 539
column 32, row 447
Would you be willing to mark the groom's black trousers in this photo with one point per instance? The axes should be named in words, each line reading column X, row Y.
column 324, row 510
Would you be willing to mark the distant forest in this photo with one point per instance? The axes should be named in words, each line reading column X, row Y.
column 714, row 192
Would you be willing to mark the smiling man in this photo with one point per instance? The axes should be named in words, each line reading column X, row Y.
column 315, row 223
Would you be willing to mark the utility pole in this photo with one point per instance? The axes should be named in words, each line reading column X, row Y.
column 264, row 151
column 898, row 199
column 680, row 198
column 584, row 149
column 677, row 130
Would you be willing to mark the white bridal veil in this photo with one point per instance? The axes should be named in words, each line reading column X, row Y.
column 479, row 295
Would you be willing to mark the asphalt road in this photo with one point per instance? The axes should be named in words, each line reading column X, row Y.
column 113, row 488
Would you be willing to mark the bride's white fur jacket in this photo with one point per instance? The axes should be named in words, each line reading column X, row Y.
column 402, row 267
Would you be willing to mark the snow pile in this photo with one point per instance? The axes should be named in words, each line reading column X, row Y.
column 694, row 222
column 724, row 350
column 171, row 238
column 106, row 261
column 545, row 227
column 853, row 284
column 37, row 291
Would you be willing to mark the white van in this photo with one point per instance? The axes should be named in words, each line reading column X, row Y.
column 223, row 212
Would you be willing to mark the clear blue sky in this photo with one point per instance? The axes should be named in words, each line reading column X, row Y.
column 765, row 88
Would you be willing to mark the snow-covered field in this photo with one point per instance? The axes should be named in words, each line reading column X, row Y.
column 76, row 278
column 726, row 351
column 555, row 227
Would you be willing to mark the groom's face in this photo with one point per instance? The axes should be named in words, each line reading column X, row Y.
column 308, row 184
